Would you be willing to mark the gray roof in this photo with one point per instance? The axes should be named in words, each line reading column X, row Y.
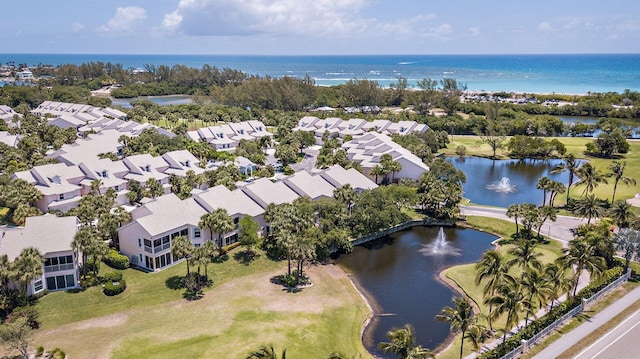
column 338, row 177
column 306, row 184
column 47, row 233
column 263, row 191
column 167, row 213
column 234, row 202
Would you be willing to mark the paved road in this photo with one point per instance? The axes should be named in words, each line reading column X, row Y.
column 568, row 340
column 619, row 343
column 559, row 230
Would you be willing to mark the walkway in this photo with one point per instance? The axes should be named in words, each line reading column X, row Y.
column 568, row 340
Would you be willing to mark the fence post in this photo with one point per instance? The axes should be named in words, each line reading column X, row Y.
column 628, row 273
column 583, row 304
column 523, row 346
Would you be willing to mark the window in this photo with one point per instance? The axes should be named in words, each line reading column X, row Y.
column 104, row 174
column 116, row 188
column 56, row 264
column 196, row 233
column 61, row 197
column 37, row 285
column 61, row 282
column 184, row 232
column 140, row 257
column 139, row 242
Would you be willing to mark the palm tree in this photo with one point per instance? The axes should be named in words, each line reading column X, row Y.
column 267, row 352
column 589, row 207
column 181, row 247
column 27, row 267
column 544, row 183
column 476, row 335
column 82, row 243
column 346, row 195
column 217, row 221
column 515, row 210
column 377, row 171
column 622, row 213
column 492, row 267
column 617, row 172
column 590, row 177
column 554, row 188
column 460, row 318
column 525, row 255
column 558, row 281
column 580, row 255
column 402, row 342
column 571, row 165
column 546, row 212
column 534, row 283
column 510, row 299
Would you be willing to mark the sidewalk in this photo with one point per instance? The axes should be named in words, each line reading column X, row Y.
column 568, row 340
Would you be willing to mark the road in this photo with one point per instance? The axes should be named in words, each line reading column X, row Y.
column 559, row 230
column 599, row 319
column 619, row 343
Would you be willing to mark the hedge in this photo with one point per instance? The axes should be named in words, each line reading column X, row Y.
column 112, row 277
column 116, row 260
column 114, row 288
column 609, row 276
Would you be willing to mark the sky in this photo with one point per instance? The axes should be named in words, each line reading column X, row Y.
column 321, row 27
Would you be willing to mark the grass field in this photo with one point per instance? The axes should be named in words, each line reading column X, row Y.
column 242, row 311
column 575, row 145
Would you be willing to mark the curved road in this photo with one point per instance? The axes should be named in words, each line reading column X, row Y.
column 560, row 230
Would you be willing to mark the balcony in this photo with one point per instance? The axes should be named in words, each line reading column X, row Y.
column 58, row 267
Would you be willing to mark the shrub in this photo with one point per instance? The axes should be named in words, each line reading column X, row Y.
column 114, row 288
column 112, row 277
column 116, row 260
column 29, row 312
column 461, row 151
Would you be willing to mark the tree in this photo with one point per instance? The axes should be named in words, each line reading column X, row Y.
column 16, row 335
column 460, row 318
column 555, row 187
column 538, row 289
column 590, row 177
column 622, row 213
column 248, row 232
column 493, row 135
column 267, row 352
column 402, row 342
column 525, row 254
column 181, row 247
column 218, row 222
column 559, row 282
column 491, row 269
column 546, row 212
column 346, row 195
column 377, row 171
column 514, row 212
column 82, row 244
column 451, row 92
column 27, row 267
column 153, row 188
column 617, row 172
column 544, row 183
column 570, row 165
column 511, row 299
column 579, row 255
column 589, row 207
column 628, row 241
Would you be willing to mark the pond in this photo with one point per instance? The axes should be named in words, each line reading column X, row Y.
column 399, row 276
column 572, row 120
column 159, row 100
column 485, row 184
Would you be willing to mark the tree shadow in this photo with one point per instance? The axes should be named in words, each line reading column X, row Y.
column 220, row 259
column 175, row 282
column 245, row 257
column 193, row 294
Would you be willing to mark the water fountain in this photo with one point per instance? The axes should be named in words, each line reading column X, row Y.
column 504, row 186
column 440, row 246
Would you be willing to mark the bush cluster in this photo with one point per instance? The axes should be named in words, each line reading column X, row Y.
column 116, row 260
column 114, row 288
column 537, row 326
column 112, row 277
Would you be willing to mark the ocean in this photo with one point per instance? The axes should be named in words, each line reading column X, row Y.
column 567, row 74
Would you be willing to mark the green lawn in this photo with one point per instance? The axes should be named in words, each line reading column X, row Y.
column 143, row 290
column 242, row 311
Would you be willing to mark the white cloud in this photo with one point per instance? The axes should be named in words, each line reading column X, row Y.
column 76, row 27
column 301, row 18
column 474, row 31
column 544, row 26
column 124, row 20
column 440, row 32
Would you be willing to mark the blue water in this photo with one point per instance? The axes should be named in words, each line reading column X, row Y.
column 571, row 74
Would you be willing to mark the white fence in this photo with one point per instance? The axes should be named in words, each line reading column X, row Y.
column 526, row 344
